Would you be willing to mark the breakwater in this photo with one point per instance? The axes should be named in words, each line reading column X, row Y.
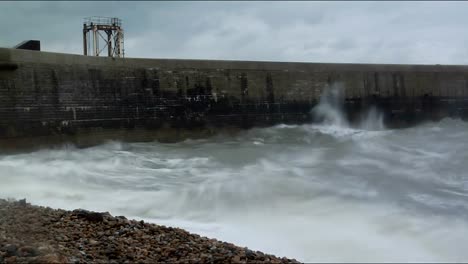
column 87, row 99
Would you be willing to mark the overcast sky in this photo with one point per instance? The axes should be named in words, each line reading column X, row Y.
column 374, row 32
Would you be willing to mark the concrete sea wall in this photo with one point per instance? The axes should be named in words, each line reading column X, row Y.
column 68, row 96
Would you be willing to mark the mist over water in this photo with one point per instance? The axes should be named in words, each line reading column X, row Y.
column 322, row 192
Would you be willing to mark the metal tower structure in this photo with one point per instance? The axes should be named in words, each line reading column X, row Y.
column 106, row 30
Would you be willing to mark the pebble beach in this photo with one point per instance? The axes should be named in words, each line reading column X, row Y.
column 36, row 234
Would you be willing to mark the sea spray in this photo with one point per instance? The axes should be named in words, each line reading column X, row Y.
column 330, row 111
column 373, row 120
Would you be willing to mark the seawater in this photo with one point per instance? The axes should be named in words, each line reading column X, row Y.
column 326, row 192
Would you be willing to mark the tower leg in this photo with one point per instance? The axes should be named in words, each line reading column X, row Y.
column 95, row 42
column 85, row 41
column 109, row 43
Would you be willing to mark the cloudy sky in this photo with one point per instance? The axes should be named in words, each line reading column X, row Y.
column 374, row 32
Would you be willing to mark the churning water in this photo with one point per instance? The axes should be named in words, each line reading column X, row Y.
column 325, row 192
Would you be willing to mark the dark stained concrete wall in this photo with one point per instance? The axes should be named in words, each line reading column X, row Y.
column 43, row 94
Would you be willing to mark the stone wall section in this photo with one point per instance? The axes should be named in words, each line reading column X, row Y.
column 45, row 93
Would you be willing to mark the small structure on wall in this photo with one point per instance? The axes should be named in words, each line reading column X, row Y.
column 29, row 45
column 101, row 34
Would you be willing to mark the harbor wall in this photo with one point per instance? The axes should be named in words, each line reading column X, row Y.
column 67, row 96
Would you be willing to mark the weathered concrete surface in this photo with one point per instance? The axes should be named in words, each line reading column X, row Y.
column 44, row 94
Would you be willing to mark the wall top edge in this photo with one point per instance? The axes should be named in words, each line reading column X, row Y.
column 30, row 56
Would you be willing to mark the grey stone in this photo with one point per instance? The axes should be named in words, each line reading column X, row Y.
column 10, row 250
column 90, row 216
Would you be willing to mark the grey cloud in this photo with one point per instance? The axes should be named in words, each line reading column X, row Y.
column 377, row 32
